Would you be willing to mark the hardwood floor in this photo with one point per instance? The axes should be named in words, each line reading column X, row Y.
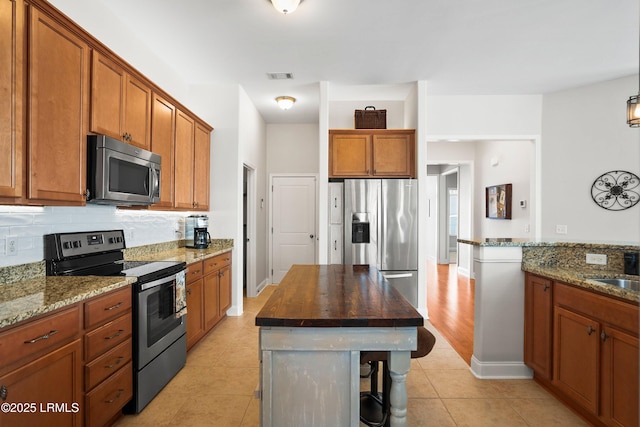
column 450, row 304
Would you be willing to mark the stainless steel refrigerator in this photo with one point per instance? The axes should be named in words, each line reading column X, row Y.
column 381, row 229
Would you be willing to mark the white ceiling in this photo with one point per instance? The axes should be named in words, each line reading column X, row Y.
column 458, row 46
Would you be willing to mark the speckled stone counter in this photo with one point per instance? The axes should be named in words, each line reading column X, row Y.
column 26, row 292
column 566, row 261
column 25, row 299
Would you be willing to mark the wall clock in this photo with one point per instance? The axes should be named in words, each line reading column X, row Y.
column 616, row 190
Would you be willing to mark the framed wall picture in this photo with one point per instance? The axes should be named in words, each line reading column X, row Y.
column 498, row 199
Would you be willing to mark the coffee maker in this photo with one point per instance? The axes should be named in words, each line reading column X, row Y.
column 196, row 234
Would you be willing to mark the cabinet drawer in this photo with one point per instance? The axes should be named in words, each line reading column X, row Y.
column 107, row 364
column 217, row 262
column 108, row 398
column 107, row 336
column 194, row 271
column 610, row 310
column 105, row 307
column 23, row 341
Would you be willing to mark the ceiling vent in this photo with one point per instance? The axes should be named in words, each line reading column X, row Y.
column 280, row 76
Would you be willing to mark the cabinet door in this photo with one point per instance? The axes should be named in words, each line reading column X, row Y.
column 335, row 240
column 393, row 155
column 137, row 113
column 162, row 143
column 185, row 133
column 58, row 102
column 211, row 300
column 335, row 202
column 202, row 146
column 108, row 82
column 576, row 357
column 56, row 378
column 195, row 321
column 620, row 377
column 349, row 155
column 538, row 321
column 11, row 98
column 225, row 290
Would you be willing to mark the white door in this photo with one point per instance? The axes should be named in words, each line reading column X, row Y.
column 293, row 223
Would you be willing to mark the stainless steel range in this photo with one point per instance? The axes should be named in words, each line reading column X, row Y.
column 159, row 337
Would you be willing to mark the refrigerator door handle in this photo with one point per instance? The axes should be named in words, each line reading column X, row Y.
column 397, row 276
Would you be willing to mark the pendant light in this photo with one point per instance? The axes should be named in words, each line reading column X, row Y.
column 633, row 103
column 286, row 6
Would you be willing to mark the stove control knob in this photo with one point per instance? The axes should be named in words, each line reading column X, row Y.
column 66, row 245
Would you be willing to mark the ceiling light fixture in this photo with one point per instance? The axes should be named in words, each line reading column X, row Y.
column 286, row 6
column 285, row 102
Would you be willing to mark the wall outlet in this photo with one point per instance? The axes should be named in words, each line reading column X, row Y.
column 599, row 259
column 12, row 245
column 561, row 229
column 527, row 228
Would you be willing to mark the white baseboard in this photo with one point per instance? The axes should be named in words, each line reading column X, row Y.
column 500, row 370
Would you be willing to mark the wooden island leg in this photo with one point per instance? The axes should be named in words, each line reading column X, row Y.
column 399, row 363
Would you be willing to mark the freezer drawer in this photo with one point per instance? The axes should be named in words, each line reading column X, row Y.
column 406, row 282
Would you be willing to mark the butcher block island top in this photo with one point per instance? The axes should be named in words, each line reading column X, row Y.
column 336, row 296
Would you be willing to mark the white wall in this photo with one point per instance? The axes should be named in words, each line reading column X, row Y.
column 292, row 148
column 484, row 115
column 341, row 113
column 513, row 159
column 585, row 135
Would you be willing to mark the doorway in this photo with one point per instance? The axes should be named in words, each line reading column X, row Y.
column 293, row 223
column 248, row 231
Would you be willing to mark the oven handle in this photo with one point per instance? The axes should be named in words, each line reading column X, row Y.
column 159, row 282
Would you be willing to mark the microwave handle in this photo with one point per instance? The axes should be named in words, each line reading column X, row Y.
column 155, row 181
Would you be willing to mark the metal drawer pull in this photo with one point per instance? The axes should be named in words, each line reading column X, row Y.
column 604, row 336
column 117, row 362
column 113, row 307
column 44, row 337
column 117, row 396
column 590, row 330
column 120, row 331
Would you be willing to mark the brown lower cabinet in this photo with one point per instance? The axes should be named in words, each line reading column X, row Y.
column 71, row 367
column 208, row 295
column 583, row 346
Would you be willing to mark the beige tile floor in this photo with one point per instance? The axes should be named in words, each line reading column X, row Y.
column 216, row 387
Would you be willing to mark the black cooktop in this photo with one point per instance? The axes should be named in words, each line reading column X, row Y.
column 100, row 253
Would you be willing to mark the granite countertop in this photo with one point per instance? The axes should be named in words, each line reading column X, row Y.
column 39, row 295
column 28, row 292
column 526, row 242
column 585, row 280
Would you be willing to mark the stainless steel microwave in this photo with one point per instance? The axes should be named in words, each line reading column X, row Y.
column 121, row 174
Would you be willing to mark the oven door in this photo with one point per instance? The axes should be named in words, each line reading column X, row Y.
column 156, row 324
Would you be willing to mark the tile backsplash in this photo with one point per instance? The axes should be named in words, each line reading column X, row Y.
column 29, row 224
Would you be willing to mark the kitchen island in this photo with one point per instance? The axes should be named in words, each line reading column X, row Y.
column 312, row 330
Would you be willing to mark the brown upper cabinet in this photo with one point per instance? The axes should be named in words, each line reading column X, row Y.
column 192, row 163
column 12, row 99
column 58, row 84
column 120, row 104
column 163, row 127
column 58, row 104
column 369, row 153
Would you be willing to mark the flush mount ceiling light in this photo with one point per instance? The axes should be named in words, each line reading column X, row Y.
column 286, row 6
column 285, row 102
